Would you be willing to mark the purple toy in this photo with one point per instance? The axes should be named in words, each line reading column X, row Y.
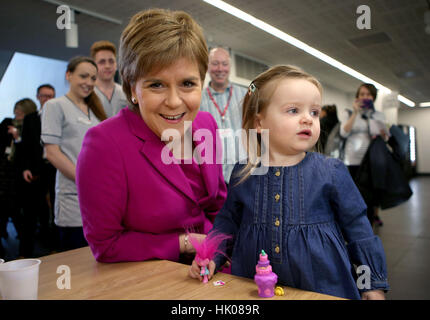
column 265, row 278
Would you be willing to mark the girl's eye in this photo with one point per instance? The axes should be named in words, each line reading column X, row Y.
column 315, row 113
column 292, row 110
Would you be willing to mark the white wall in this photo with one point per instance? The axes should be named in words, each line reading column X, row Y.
column 420, row 119
column 24, row 75
column 341, row 99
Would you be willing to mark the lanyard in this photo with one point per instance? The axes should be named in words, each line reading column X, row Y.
column 221, row 113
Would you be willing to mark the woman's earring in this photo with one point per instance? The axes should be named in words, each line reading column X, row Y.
column 133, row 99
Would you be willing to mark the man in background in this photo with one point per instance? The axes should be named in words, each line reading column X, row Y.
column 224, row 101
column 110, row 93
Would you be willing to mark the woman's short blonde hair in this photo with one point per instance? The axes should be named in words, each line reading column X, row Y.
column 156, row 38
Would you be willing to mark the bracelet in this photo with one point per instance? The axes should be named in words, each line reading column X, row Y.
column 186, row 241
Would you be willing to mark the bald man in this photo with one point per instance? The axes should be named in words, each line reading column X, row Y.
column 224, row 101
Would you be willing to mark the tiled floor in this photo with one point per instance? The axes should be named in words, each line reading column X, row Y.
column 405, row 236
column 406, row 239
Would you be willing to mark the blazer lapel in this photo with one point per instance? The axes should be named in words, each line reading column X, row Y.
column 152, row 151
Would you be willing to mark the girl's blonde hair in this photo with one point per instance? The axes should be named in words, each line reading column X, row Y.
column 256, row 102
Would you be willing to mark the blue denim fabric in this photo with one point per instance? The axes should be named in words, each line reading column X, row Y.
column 313, row 232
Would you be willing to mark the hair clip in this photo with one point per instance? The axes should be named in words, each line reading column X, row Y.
column 251, row 88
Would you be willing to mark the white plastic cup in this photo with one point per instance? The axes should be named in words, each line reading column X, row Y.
column 19, row 279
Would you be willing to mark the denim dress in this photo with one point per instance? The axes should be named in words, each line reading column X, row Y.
column 311, row 220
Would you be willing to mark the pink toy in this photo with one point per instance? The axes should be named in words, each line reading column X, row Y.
column 206, row 251
column 264, row 277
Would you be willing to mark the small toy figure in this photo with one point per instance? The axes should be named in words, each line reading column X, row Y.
column 204, row 272
column 206, row 251
column 264, row 277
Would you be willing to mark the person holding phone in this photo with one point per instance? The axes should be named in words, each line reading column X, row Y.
column 361, row 125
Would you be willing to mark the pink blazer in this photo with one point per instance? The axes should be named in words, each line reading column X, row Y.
column 133, row 205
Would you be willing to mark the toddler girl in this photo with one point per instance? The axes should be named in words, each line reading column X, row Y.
column 306, row 211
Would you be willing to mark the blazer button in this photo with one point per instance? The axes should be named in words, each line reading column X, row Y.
column 278, row 173
column 277, row 222
column 277, row 249
column 277, row 197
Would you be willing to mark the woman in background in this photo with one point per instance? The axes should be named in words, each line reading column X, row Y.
column 361, row 126
column 10, row 177
column 65, row 121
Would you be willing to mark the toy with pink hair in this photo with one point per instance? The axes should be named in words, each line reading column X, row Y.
column 206, row 250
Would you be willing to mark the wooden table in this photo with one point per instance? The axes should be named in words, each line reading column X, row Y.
column 148, row 280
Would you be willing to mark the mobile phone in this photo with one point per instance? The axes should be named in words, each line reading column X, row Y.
column 367, row 104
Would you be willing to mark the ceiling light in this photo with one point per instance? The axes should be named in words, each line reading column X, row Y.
column 301, row 45
column 424, row 104
column 72, row 40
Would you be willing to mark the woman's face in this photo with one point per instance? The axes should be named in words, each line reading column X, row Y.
column 19, row 114
column 364, row 93
column 169, row 96
column 83, row 79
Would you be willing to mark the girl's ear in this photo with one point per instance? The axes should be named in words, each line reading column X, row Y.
column 68, row 75
column 258, row 122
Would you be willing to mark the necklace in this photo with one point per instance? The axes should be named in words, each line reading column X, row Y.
column 221, row 113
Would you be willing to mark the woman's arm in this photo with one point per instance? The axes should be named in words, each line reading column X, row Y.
column 60, row 161
column 103, row 190
column 350, row 122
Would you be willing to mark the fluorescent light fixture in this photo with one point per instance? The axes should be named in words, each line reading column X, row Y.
column 406, row 101
column 412, row 144
column 301, row 45
column 424, row 104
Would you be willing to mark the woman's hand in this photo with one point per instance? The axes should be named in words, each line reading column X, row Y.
column 356, row 106
column 26, row 174
column 13, row 131
column 373, row 295
column 194, row 271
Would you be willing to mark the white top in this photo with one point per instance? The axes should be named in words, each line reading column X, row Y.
column 65, row 125
column 116, row 103
column 358, row 138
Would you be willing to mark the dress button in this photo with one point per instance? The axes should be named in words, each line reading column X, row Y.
column 277, row 173
column 277, row 223
column 277, row 197
column 277, row 249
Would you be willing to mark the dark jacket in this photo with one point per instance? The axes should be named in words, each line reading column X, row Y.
column 31, row 157
column 381, row 179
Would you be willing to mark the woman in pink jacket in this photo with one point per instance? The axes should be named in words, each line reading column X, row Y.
column 146, row 175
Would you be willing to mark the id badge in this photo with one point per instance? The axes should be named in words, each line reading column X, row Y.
column 8, row 150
